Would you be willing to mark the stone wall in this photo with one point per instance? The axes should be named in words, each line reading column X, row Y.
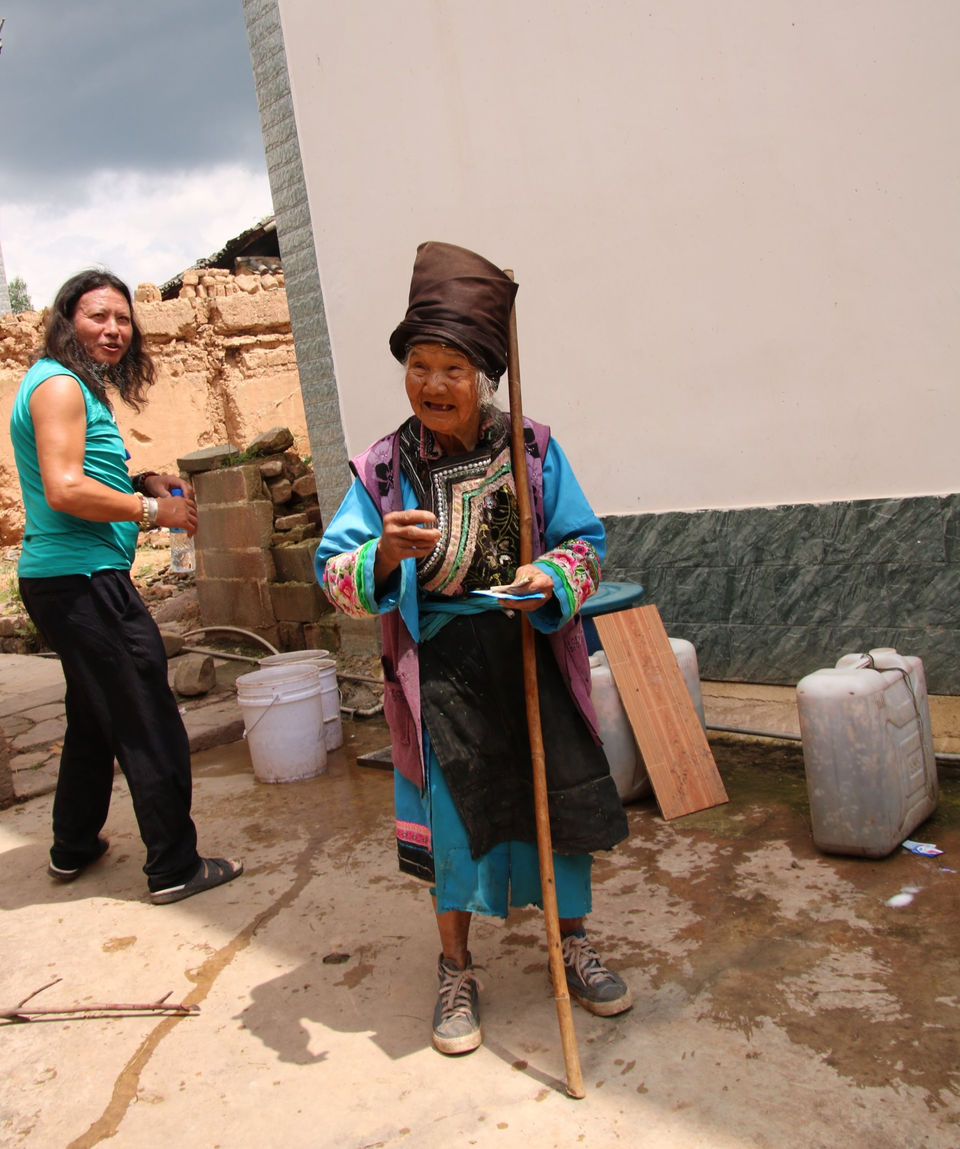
column 226, row 369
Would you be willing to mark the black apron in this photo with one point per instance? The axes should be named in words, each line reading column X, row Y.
column 473, row 703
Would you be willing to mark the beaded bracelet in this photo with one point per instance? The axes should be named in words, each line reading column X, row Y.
column 148, row 512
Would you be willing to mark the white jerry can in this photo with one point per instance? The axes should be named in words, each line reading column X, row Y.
column 867, row 752
column 619, row 744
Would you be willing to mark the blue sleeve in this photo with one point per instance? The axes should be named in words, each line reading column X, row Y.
column 568, row 516
column 356, row 524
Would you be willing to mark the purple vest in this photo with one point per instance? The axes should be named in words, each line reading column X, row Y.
column 378, row 468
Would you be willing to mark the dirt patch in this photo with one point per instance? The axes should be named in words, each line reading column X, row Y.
column 761, row 928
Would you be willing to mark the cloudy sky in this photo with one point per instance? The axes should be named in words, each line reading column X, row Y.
column 129, row 137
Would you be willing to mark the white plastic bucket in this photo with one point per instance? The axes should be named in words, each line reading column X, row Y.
column 283, row 717
column 330, row 694
column 330, row 703
column 289, row 656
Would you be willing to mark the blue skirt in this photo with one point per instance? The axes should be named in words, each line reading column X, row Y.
column 432, row 844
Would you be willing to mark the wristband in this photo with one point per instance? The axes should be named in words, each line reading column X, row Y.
column 140, row 479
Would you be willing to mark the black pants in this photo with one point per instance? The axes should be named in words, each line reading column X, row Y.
column 118, row 705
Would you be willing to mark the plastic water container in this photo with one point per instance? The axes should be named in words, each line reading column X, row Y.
column 619, row 744
column 867, row 752
column 183, row 558
column 283, row 719
column 686, row 655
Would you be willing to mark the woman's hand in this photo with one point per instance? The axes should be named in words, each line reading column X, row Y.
column 406, row 535
column 160, row 486
column 539, row 582
column 173, row 511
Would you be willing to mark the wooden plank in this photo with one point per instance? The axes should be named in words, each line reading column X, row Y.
column 378, row 759
column 658, row 705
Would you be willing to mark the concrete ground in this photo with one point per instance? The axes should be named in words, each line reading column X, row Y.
column 780, row 1001
column 33, row 720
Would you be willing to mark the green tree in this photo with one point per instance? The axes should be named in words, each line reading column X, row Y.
column 19, row 296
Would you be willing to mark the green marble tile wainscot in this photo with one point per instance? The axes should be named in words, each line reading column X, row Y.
column 768, row 594
column 950, row 514
column 774, row 535
column 883, row 530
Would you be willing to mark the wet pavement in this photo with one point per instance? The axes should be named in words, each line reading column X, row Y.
column 780, row 1002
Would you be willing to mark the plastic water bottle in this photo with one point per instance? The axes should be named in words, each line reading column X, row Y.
column 182, row 556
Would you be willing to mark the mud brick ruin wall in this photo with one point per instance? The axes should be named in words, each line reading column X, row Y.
column 226, row 370
column 255, row 552
column 259, row 529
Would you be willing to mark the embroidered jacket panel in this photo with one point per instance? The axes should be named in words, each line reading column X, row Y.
column 569, row 543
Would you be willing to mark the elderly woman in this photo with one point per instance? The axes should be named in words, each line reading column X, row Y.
column 430, row 519
column 83, row 514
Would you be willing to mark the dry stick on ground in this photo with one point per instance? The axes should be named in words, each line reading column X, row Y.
column 18, row 1014
column 568, row 1037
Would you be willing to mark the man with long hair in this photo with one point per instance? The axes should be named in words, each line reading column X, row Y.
column 83, row 515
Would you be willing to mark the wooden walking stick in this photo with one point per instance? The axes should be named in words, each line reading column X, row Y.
column 568, row 1037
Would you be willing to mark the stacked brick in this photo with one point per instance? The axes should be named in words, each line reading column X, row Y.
column 213, row 282
column 259, row 528
column 217, row 282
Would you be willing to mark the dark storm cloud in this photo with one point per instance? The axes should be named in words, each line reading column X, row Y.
column 87, row 85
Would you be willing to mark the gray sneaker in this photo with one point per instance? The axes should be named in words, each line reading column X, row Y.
column 598, row 989
column 456, row 1020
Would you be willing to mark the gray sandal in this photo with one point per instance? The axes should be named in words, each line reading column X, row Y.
column 71, row 875
column 212, row 872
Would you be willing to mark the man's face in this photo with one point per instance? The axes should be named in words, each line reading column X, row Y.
column 103, row 325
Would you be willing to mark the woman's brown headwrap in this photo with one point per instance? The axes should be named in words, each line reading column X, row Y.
column 460, row 298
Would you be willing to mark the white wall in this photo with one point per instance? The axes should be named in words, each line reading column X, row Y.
column 734, row 224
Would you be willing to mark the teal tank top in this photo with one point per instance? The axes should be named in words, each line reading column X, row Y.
column 55, row 543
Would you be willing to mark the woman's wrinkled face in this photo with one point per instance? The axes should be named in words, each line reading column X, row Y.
column 103, row 325
column 442, row 389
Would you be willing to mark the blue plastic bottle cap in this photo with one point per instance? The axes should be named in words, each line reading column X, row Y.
column 176, row 491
